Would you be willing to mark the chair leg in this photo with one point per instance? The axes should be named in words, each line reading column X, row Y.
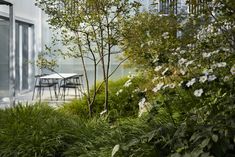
column 50, row 92
column 33, row 93
column 55, row 92
column 75, row 92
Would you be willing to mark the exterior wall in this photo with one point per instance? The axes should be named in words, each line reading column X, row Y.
column 28, row 27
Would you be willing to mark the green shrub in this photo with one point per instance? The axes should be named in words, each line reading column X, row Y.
column 34, row 131
column 123, row 104
column 40, row 131
column 76, row 107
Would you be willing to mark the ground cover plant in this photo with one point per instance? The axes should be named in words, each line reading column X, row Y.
column 184, row 106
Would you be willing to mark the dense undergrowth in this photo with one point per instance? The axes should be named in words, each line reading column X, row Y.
column 207, row 128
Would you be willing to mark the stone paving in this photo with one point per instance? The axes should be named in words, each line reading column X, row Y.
column 26, row 98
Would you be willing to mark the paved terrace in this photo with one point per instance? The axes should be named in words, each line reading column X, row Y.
column 27, row 98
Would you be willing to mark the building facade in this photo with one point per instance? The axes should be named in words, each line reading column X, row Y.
column 26, row 41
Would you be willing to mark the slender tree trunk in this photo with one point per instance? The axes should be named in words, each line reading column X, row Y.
column 106, row 105
column 88, row 96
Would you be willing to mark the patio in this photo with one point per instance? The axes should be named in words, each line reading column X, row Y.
column 26, row 98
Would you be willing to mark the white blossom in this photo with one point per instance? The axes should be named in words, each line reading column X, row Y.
column 172, row 85
column 141, row 103
column 183, row 72
column 182, row 61
column 128, row 83
column 198, row 92
column 206, row 55
column 165, row 35
column 178, row 49
column 189, row 63
column 182, row 52
column 103, row 112
column 145, row 108
column 221, row 64
column 136, row 90
column 226, row 78
column 232, row 70
column 158, row 87
column 163, row 73
column 207, row 71
column 211, row 77
column 118, row 92
column 203, row 79
column 166, row 86
column 215, row 52
column 156, row 59
column 158, row 68
column 191, row 82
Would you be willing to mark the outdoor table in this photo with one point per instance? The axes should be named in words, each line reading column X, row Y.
column 59, row 76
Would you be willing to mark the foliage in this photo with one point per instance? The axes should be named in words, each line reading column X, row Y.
column 39, row 130
column 34, row 131
column 123, row 101
column 90, row 30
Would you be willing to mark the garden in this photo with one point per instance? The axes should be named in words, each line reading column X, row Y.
column 179, row 102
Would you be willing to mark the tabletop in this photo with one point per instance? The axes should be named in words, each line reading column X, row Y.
column 59, row 76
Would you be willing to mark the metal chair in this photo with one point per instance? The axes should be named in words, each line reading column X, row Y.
column 41, row 84
column 75, row 82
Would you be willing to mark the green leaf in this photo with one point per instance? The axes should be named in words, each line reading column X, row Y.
column 115, row 149
column 215, row 138
column 205, row 142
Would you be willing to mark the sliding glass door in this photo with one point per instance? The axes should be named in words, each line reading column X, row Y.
column 24, row 56
column 4, row 58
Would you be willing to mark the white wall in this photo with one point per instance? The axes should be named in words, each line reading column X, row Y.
column 26, row 11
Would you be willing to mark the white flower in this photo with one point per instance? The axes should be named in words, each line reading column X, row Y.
column 128, row 83
column 182, row 61
column 158, row 87
column 156, row 59
column 136, row 90
column 211, row 77
column 232, row 70
column 215, row 52
column 221, row 64
column 189, row 45
column 141, row 103
column 145, row 108
column 165, row 35
column 191, row 82
column 189, row 62
column 164, row 87
column 183, row 72
column 158, row 68
column 206, row 55
column 203, row 79
column 163, row 73
column 118, row 92
column 103, row 112
column 178, row 49
column 198, row 92
column 182, row 52
column 226, row 78
column 207, row 71
column 172, row 85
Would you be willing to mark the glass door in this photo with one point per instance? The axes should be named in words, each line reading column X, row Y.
column 24, row 58
column 4, row 58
